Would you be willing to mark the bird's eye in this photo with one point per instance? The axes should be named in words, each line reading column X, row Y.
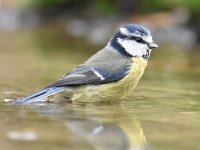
column 139, row 40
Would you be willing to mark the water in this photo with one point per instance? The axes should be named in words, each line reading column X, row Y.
column 163, row 112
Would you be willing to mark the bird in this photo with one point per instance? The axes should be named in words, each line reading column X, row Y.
column 109, row 75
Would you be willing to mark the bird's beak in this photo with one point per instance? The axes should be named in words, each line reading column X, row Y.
column 152, row 45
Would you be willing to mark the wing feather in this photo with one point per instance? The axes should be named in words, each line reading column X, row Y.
column 104, row 67
column 85, row 75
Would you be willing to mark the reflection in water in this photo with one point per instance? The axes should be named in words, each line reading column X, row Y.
column 105, row 127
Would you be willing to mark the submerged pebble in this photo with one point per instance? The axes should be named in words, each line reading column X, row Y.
column 7, row 100
column 22, row 135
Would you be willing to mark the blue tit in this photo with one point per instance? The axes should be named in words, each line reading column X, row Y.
column 109, row 75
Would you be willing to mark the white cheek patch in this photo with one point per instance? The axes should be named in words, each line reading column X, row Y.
column 148, row 39
column 133, row 48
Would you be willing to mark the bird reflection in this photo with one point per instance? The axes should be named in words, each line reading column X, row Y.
column 105, row 127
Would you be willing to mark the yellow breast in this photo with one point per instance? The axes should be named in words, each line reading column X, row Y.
column 125, row 86
column 135, row 73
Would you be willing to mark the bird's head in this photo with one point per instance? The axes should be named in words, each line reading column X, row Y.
column 133, row 40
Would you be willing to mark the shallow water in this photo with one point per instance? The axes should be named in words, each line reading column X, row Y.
column 163, row 112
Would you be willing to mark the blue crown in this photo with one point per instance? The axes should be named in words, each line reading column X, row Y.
column 138, row 29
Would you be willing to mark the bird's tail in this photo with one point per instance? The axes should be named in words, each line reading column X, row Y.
column 38, row 95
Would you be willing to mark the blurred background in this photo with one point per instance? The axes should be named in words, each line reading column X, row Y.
column 40, row 40
column 53, row 24
column 64, row 33
column 60, row 26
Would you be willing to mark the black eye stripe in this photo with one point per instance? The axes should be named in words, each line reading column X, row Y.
column 137, row 39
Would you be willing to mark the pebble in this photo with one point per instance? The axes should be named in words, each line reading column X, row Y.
column 22, row 135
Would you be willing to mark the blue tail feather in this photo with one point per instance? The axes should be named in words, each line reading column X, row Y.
column 38, row 95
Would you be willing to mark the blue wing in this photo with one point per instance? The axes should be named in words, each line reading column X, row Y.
column 82, row 75
column 87, row 75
